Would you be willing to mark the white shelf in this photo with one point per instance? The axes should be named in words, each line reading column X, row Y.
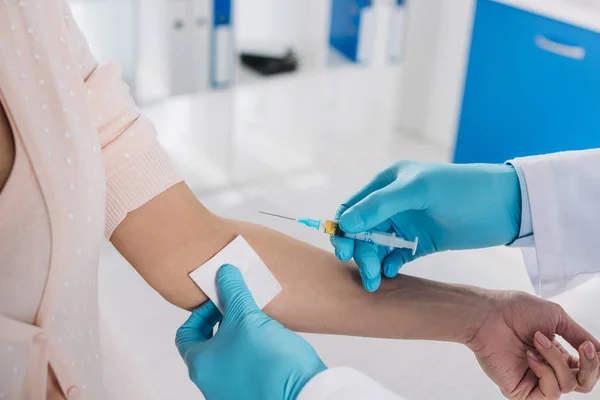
column 582, row 13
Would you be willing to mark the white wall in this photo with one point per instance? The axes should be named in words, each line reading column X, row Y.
column 420, row 57
column 152, row 69
column 437, row 46
column 108, row 26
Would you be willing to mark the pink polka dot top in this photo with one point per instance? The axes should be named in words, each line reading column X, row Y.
column 85, row 157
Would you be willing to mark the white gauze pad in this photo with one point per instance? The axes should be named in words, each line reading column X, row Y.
column 261, row 282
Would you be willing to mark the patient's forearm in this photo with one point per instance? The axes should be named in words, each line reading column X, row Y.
column 173, row 234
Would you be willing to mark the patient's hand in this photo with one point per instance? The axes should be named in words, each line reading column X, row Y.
column 515, row 329
column 559, row 371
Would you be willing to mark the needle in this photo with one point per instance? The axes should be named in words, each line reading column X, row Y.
column 278, row 216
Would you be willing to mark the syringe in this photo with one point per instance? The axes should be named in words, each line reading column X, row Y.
column 332, row 228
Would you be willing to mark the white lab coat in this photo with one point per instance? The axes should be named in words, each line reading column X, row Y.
column 561, row 207
column 344, row 384
column 560, row 237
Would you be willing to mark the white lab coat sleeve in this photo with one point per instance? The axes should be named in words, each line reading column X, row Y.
column 525, row 238
column 563, row 193
column 344, row 384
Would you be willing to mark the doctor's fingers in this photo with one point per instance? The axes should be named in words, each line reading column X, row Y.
column 368, row 259
column 396, row 260
column 238, row 302
column 344, row 248
column 381, row 180
column 198, row 328
column 382, row 205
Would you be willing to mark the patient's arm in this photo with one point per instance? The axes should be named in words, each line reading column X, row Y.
column 173, row 234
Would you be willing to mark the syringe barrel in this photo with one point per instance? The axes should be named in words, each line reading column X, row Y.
column 384, row 239
column 379, row 238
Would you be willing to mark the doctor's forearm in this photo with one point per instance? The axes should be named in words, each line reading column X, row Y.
column 173, row 234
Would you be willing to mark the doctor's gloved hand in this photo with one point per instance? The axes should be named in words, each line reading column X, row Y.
column 251, row 356
column 447, row 206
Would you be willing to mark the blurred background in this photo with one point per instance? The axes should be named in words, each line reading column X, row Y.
column 290, row 106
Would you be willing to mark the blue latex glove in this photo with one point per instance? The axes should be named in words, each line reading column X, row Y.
column 447, row 206
column 251, row 356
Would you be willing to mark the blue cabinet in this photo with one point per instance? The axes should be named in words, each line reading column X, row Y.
column 350, row 19
column 532, row 87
